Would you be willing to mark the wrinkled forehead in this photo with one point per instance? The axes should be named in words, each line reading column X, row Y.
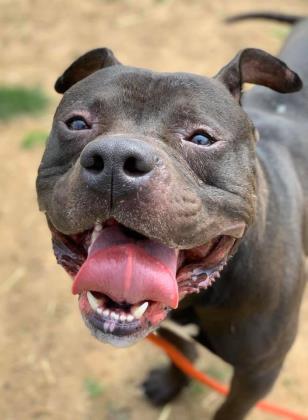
column 128, row 92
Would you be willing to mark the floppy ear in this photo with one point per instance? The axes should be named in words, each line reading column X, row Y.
column 257, row 66
column 85, row 65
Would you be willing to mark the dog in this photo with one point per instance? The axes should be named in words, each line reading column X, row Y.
column 174, row 194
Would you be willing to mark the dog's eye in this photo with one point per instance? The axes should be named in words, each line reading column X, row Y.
column 77, row 124
column 202, row 139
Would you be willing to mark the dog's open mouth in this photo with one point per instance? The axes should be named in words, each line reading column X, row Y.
column 127, row 283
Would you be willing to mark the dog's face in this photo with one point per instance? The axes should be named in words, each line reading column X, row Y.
column 148, row 183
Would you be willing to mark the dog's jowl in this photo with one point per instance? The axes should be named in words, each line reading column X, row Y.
column 163, row 202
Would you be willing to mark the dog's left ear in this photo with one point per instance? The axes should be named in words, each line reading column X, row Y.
column 257, row 66
column 84, row 66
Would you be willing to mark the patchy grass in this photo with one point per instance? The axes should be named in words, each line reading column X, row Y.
column 196, row 388
column 281, row 32
column 93, row 388
column 33, row 139
column 219, row 373
column 288, row 383
column 114, row 412
column 19, row 100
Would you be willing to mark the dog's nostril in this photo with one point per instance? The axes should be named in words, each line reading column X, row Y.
column 94, row 163
column 134, row 166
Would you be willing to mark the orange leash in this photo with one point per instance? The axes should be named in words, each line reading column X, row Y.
column 188, row 368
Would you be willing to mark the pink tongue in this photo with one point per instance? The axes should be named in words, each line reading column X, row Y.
column 130, row 270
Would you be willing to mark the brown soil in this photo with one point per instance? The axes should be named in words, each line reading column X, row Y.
column 46, row 352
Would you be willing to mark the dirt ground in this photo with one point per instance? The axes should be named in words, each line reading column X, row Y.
column 50, row 367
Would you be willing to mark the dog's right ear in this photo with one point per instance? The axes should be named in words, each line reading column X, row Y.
column 84, row 66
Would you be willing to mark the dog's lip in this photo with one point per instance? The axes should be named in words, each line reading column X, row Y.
column 236, row 230
column 72, row 249
column 104, row 319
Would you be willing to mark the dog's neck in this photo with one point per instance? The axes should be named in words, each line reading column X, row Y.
column 258, row 227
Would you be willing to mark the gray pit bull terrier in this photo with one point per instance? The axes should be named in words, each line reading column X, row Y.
column 151, row 182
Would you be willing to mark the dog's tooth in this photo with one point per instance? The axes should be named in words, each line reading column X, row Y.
column 95, row 234
column 106, row 326
column 122, row 318
column 114, row 316
column 99, row 310
column 98, row 227
column 92, row 301
column 129, row 318
column 138, row 311
column 106, row 312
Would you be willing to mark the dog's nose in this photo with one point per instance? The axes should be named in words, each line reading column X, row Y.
column 117, row 164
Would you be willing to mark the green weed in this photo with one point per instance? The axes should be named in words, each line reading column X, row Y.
column 281, row 32
column 93, row 388
column 33, row 139
column 19, row 100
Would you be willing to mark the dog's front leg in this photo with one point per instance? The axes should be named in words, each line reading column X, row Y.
column 165, row 383
column 247, row 388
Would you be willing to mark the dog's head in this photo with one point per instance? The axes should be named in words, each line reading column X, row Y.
column 148, row 182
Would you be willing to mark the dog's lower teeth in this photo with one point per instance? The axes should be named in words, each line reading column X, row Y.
column 111, row 316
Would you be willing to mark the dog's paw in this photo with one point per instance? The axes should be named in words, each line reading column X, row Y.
column 163, row 385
